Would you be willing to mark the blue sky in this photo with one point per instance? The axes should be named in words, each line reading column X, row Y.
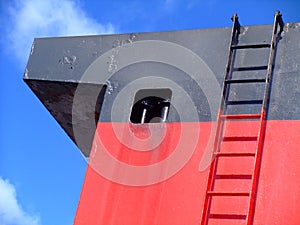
column 41, row 170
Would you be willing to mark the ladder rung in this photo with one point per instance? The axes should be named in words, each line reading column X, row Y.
column 250, row 68
column 250, row 46
column 241, row 116
column 233, row 176
column 237, row 81
column 233, row 154
column 240, row 138
column 227, row 216
column 219, row 193
column 244, row 102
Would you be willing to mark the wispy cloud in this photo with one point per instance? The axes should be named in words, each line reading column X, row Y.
column 191, row 4
column 11, row 211
column 34, row 18
column 169, row 4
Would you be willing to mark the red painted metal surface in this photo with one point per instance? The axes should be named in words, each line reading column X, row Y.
column 180, row 199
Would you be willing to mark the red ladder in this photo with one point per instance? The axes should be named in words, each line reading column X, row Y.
column 222, row 117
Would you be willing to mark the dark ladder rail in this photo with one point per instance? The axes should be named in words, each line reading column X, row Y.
column 235, row 31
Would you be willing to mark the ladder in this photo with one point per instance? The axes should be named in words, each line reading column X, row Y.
column 211, row 193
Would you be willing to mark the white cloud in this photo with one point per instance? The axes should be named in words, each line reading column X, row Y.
column 36, row 18
column 11, row 212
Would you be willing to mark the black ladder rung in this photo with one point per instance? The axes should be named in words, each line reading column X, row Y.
column 244, row 102
column 221, row 193
column 238, row 81
column 240, row 116
column 234, row 154
column 250, row 68
column 227, row 216
column 264, row 45
column 233, row 176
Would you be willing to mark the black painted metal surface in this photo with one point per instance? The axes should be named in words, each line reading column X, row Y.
column 191, row 63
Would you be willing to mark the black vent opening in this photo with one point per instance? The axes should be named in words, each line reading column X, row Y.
column 151, row 106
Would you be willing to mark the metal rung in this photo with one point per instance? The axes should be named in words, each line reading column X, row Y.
column 245, row 102
column 240, row 138
column 227, row 216
column 250, row 46
column 250, row 68
column 217, row 193
column 237, row 81
column 233, row 176
column 233, row 154
column 240, row 116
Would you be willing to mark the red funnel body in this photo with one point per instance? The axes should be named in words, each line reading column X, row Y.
column 179, row 200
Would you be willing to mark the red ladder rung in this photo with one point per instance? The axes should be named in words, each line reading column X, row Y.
column 234, row 154
column 227, row 216
column 221, row 193
column 240, row 138
column 233, row 176
column 240, row 116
